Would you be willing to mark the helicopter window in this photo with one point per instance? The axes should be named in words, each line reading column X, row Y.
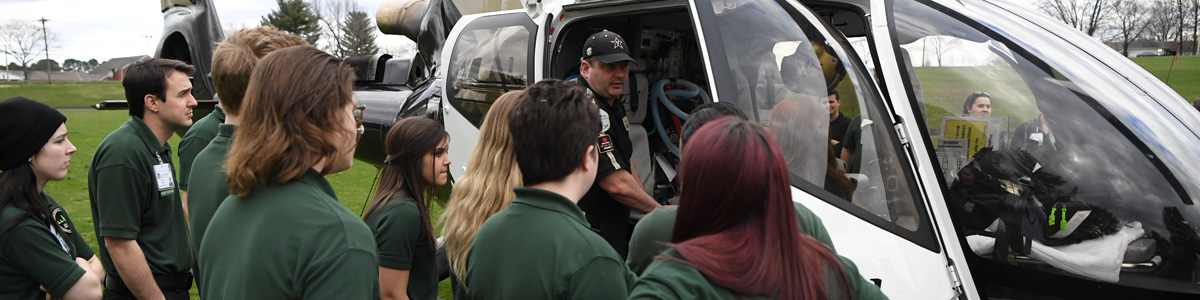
column 1039, row 174
column 782, row 69
column 490, row 58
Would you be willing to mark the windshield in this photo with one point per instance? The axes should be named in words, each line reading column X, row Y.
column 1044, row 147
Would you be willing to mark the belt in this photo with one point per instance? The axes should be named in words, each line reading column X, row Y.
column 165, row 282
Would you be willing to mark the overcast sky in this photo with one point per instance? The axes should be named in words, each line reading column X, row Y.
column 104, row 29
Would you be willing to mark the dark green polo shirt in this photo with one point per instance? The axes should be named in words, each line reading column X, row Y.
column 210, row 186
column 33, row 254
column 196, row 139
column 668, row 279
column 653, row 232
column 126, row 203
column 404, row 245
column 288, row 240
column 541, row 247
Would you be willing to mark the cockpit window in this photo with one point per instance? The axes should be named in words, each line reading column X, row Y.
column 805, row 83
column 1040, row 172
column 491, row 57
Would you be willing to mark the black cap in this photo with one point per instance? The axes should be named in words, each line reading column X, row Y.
column 25, row 126
column 607, row 47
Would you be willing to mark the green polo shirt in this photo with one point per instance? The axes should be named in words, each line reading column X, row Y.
column 669, row 279
column 196, row 139
column 289, row 240
column 126, row 203
column 653, row 232
column 210, row 186
column 542, row 247
column 33, row 254
column 404, row 245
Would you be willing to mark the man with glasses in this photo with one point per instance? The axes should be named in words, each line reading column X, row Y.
column 232, row 64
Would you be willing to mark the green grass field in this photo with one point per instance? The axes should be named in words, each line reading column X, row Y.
column 64, row 94
column 1185, row 77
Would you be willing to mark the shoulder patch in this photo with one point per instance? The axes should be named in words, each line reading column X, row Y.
column 605, row 123
column 605, row 143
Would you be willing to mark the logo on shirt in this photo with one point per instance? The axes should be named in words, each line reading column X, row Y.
column 606, row 144
column 604, row 122
column 60, row 219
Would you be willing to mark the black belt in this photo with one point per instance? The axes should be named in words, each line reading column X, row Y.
column 179, row 282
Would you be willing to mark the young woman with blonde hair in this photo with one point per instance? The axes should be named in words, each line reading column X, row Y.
column 487, row 185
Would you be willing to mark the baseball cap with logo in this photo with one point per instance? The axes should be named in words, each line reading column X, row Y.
column 607, row 47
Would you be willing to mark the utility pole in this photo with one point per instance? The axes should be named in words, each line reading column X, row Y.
column 46, row 43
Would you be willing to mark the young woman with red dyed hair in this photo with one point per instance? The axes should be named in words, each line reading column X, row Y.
column 736, row 235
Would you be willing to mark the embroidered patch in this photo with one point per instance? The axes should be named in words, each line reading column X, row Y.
column 60, row 219
column 606, row 144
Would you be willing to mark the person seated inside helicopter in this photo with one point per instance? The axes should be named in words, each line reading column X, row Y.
column 978, row 104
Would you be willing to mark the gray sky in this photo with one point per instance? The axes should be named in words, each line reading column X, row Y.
column 119, row 28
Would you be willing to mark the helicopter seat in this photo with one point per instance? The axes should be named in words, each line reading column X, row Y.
column 637, row 93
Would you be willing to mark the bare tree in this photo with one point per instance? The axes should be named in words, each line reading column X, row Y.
column 24, row 42
column 1129, row 22
column 1086, row 15
column 333, row 18
column 1163, row 21
column 942, row 44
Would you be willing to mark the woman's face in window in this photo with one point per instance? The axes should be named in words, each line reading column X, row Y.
column 982, row 107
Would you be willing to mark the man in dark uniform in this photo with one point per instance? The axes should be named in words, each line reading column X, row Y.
column 838, row 123
column 136, row 209
column 604, row 69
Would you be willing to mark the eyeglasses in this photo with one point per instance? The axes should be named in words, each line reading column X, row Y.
column 984, row 94
column 358, row 118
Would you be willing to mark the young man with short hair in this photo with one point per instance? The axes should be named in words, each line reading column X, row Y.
column 541, row 246
column 838, row 123
column 233, row 61
column 136, row 210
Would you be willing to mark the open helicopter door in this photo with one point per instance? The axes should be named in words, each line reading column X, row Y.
column 781, row 60
column 490, row 54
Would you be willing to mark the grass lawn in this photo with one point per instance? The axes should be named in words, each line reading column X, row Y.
column 88, row 127
column 64, row 94
column 1185, row 78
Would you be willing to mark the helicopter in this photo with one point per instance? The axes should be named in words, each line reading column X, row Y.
column 1079, row 182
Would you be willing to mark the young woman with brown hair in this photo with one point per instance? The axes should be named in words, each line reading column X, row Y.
column 282, row 234
column 736, row 235
column 417, row 163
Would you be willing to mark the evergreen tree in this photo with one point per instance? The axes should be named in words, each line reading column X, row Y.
column 295, row 17
column 358, row 35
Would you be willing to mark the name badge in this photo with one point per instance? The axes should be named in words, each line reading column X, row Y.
column 1036, row 137
column 164, row 180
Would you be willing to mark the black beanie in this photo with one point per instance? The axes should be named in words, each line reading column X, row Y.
column 25, row 126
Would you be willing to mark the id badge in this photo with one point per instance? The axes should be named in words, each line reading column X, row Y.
column 1036, row 137
column 164, row 180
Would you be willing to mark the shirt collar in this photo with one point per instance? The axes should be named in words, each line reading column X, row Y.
column 226, row 130
column 549, row 201
column 147, row 136
column 217, row 110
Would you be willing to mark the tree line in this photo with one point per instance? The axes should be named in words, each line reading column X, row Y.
column 1126, row 21
column 339, row 27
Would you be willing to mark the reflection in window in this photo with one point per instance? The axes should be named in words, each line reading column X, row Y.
column 783, row 71
column 1041, row 179
column 485, row 64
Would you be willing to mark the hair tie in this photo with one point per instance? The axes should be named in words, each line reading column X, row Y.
column 389, row 159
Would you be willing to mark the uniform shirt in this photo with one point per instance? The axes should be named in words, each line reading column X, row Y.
column 653, row 232
column 668, row 279
column 126, row 202
column 837, row 131
column 33, row 254
column 290, row 240
column 541, row 247
column 197, row 137
column 210, row 186
column 609, row 217
column 404, row 245
column 852, row 142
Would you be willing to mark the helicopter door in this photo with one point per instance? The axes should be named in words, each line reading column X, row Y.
column 782, row 62
column 491, row 55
